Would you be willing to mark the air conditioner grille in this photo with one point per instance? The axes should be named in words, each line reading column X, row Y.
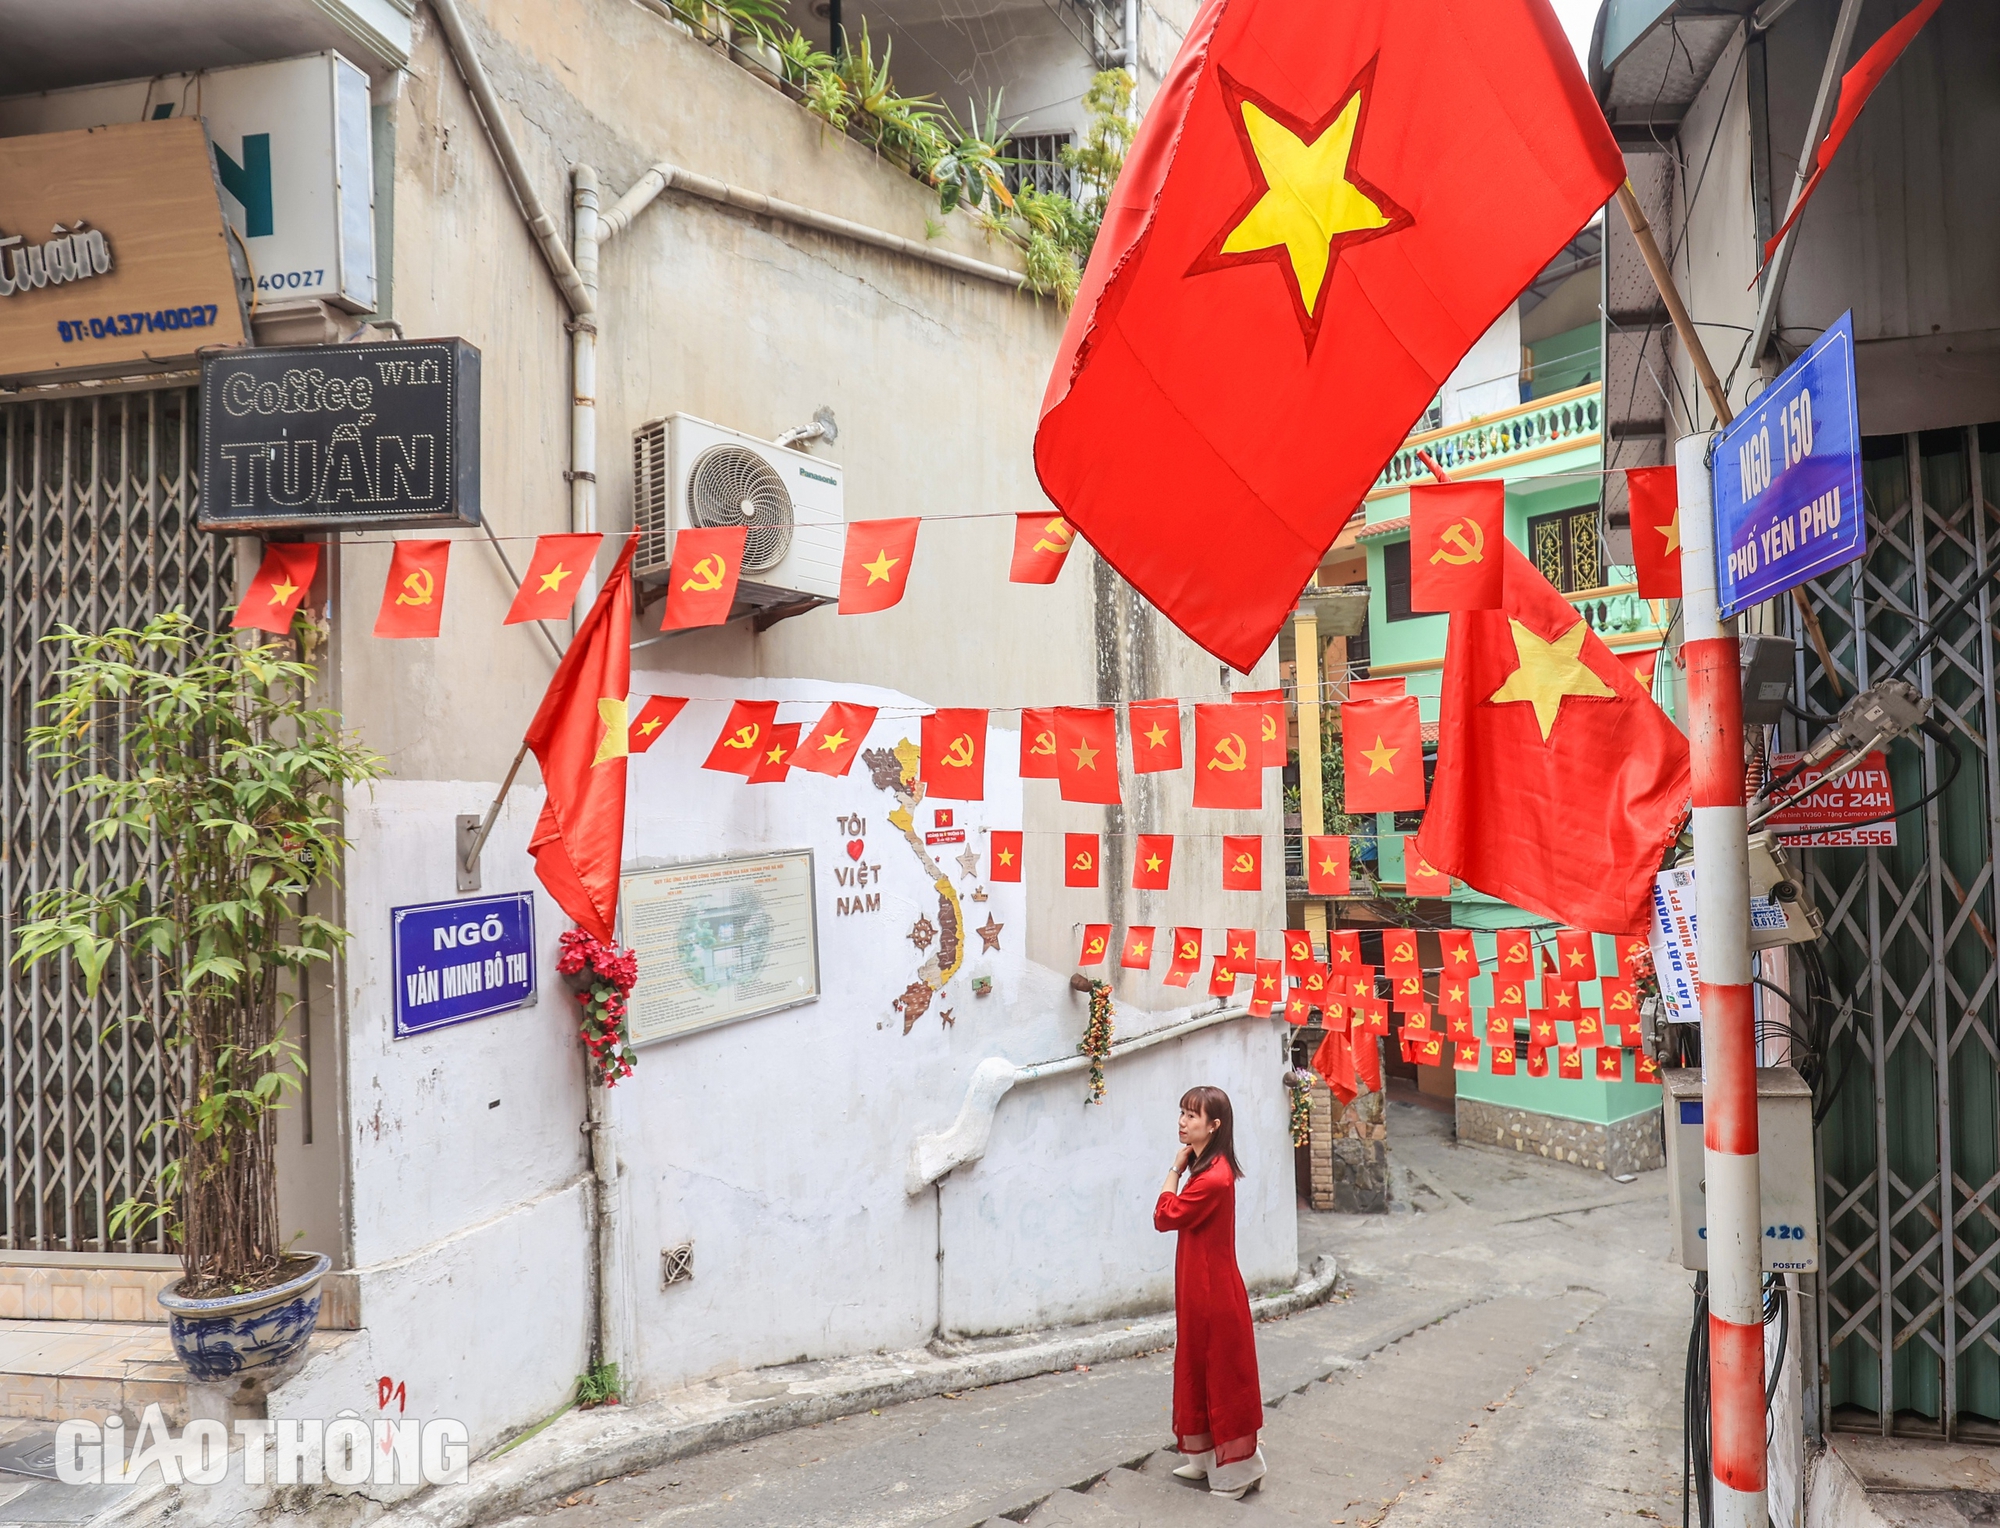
column 734, row 486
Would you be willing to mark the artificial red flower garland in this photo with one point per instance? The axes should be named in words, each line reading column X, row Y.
column 603, row 977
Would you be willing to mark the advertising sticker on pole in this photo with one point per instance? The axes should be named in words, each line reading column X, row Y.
column 1788, row 502
column 1843, row 814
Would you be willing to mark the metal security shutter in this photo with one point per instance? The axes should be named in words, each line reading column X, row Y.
column 97, row 529
column 1909, row 1154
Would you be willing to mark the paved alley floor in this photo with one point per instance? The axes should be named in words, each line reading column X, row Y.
column 1505, row 1351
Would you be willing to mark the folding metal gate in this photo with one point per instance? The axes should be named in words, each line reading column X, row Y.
column 97, row 512
column 1909, row 1156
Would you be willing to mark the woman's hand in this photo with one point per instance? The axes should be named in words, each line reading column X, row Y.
column 1182, row 1159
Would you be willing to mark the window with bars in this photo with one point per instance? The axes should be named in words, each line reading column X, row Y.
column 1038, row 162
column 1565, row 546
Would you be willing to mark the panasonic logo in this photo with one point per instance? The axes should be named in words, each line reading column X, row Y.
column 818, row 478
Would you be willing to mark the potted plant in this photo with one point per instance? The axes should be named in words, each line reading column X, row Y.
column 218, row 788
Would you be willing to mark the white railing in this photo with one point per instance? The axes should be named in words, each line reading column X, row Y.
column 1560, row 419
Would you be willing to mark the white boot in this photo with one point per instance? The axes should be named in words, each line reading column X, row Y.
column 1197, row 1466
column 1237, row 1480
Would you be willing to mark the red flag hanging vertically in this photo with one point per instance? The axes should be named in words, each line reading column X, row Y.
column 1087, row 753
column 1004, row 855
column 413, row 597
column 652, row 719
column 831, row 747
column 554, row 578
column 875, row 565
column 1041, row 545
column 1271, row 741
column 1080, row 859
column 1383, row 747
column 701, row 581
column 1242, row 862
column 1227, row 774
column 279, row 586
column 1559, row 783
column 1455, row 535
column 736, row 746
column 953, row 756
column 1152, row 861
column 1186, row 957
column 1655, row 497
column 1327, row 865
column 1155, row 727
column 1038, row 743
column 1324, row 207
column 579, row 738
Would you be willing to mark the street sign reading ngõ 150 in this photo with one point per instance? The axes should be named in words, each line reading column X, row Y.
column 329, row 436
column 462, row 960
column 1788, row 478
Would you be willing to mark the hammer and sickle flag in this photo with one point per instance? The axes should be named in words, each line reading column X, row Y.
column 742, row 741
column 1323, row 208
column 1271, row 731
column 1096, row 944
column 1419, row 879
column 1515, row 951
column 1038, row 743
column 1223, row 975
column 1186, row 961
column 413, row 598
column 579, row 739
column 1080, row 859
column 953, row 762
column 1456, row 530
column 1228, row 758
column 554, row 578
column 1242, row 862
column 1382, row 744
column 1041, row 545
column 875, row 567
column 701, row 583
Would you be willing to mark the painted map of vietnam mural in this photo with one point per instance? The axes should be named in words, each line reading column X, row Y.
column 895, row 770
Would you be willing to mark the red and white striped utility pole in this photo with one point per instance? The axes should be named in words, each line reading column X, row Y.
column 1728, row 1037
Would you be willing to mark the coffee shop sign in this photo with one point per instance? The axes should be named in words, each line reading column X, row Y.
column 71, row 255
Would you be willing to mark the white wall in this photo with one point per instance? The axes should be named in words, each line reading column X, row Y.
column 1488, row 379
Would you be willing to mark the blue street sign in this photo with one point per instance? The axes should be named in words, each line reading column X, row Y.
column 462, row 960
column 1788, row 478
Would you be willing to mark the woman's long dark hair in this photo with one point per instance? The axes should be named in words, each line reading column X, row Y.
column 1213, row 1104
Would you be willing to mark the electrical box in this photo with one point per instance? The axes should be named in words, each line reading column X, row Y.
column 1784, row 1169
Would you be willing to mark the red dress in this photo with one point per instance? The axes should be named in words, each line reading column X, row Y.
column 1218, row 1403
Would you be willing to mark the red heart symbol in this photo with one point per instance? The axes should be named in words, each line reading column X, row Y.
column 855, row 848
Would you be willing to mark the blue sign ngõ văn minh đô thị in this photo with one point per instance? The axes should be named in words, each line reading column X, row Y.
column 462, row 960
column 1787, row 478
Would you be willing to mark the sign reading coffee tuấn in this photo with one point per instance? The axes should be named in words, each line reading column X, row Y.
column 324, row 436
column 113, row 250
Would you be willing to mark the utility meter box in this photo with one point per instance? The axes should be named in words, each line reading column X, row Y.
column 1784, row 1169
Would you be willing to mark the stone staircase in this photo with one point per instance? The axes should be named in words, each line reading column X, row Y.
column 1144, row 1496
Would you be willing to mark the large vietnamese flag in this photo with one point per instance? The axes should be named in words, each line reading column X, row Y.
column 580, row 739
column 1324, row 207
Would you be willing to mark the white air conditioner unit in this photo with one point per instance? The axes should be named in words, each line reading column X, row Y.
column 688, row 472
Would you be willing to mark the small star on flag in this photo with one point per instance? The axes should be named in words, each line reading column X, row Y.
column 651, row 720
column 1155, row 730
column 875, row 567
column 1003, row 855
column 554, row 578
column 280, row 584
column 835, row 740
column 1152, row 861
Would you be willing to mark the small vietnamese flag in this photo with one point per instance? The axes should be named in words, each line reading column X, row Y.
column 1271, row 738
column 1267, row 988
column 1635, row 955
column 876, row 565
column 1152, row 861
column 1538, row 1061
column 1004, row 855
column 1328, row 865
column 1458, row 1026
column 1228, row 768
column 953, row 756
column 1460, row 957
column 1298, row 953
column 1456, row 532
column 1096, row 944
column 1465, row 1056
column 1561, row 998
column 1080, row 859
column 1644, row 664
column 554, row 578
column 1569, row 1062
column 1542, row 1028
column 1610, row 1065
column 774, row 753
column 1503, row 1059
column 1378, row 1016
column 1517, row 953
column 1399, row 951
column 1382, row 742
column 413, row 597
column 1242, row 862
column 1297, row 1010
column 278, row 588
column 1241, row 946
column 1454, row 994
column 1222, row 976
column 1343, row 950
column 1087, row 753
column 652, row 719
column 737, row 745
column 1655, row 497
column 1038, row 743
column 1419, row 879
column 1041, row 544
column 701, row 581
column 1138, row 953
column 1186, row 957
column 1156, row 735
column 1576, row 955
column 836, row 739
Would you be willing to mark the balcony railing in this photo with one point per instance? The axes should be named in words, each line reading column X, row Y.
column 1556, row 422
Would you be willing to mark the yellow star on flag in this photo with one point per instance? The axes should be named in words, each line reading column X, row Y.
column 1239, row 952
column 1086, row 756
column 1328, row 865
column 616, row 719
column 1153, row 862
column 777, row 753
column 1006, row 856
column 833, row 742
column 1562, row 1000
column 1156, row 735
column 648, row 728
column 1139, row 949
column 1548, row 672
column 281, row 591
column 1380, row 758
column 1672, row 531
column 878, row 570
column 552, row 580
column 1576, row 957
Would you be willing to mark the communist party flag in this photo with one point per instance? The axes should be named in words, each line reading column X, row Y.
column 579, row 739
column 1242, row 862
column 1408, row 993
column 1499, row 1028
column 1327, row 864
column 1080, row 856
column 1559, row 783
column 1428, row 1051
column 1569, row 1062
column 413, row 598
column 1038, row 743
column 1041, row 545
column 652, row 720
column 1455, row 535
column 1399, row 951
column 1138, row 953
column 1516, row 947
column 836, row 739
column 1186, row 957
column 1655, row 496
column 1004, row 855
column 1228, row 774
column 701, row 581
column 1298, row 953
column 1382, row 742
column 1503, row 1058
column 554, row 578
column 1222, row 976
column 774, row 754
column 1576, row 955
column 278, row 588
column 953, row 763
column 1096, row 944
column 1270, row 706
column 1324, row 206
column 1419, row 879
column 876, row 565
column 1087, row 753
column 1152, row 861
column 1621, row 1006
column 1644, row 1068
column 1156, row 735
column 736, row 747
column 1589, row 1028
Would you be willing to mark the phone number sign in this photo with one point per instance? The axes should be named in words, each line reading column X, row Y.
column 1788, row 504
column 1840, row 815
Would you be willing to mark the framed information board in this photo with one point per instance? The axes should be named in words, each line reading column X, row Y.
column 720, row 940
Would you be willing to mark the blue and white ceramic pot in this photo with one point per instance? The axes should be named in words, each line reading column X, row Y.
column 241, row 1336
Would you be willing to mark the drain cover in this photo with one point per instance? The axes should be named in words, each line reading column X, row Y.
column 32, row 1454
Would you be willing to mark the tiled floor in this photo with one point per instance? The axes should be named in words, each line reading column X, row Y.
column 50, row 1370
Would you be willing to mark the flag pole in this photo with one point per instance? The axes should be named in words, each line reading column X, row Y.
column 481, row 828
